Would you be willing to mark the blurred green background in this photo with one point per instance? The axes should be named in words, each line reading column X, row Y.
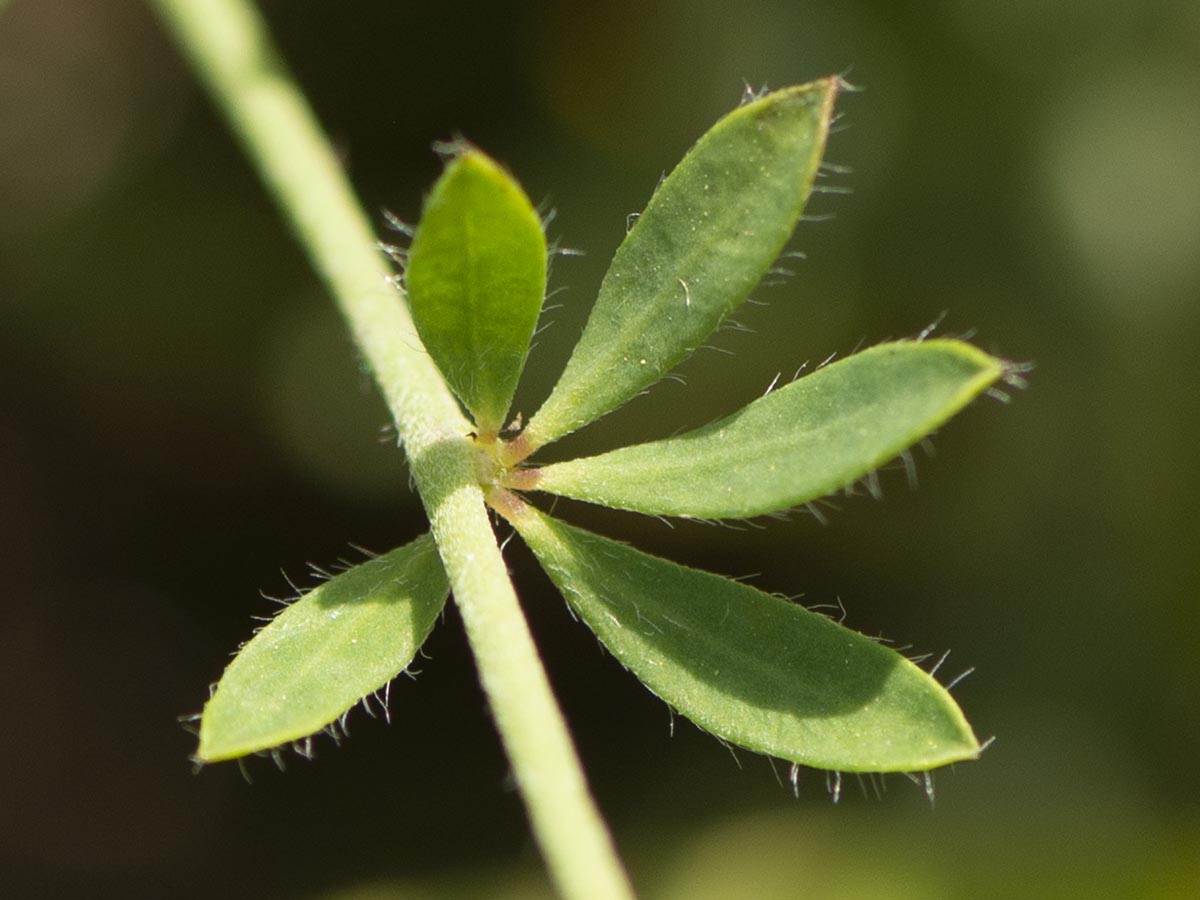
column 184, row 420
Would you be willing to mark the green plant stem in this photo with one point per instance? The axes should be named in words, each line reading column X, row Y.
column 231, row 50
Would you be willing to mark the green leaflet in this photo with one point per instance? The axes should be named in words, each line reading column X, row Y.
column 708, row 235
column 748, row 666
column 803, row 441
column 325, row 652
column 476, row 277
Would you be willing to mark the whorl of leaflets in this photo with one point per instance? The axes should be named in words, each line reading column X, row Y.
column 750, row 667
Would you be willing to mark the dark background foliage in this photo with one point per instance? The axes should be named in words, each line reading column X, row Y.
column 183, row 419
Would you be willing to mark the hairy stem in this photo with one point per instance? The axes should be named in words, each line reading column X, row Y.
column 228, row 44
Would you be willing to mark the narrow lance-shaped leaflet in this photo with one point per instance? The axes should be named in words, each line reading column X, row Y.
column 326, row 651
column 750, row 667
column 710, row 232
column 476, row 279
column 808, row 439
